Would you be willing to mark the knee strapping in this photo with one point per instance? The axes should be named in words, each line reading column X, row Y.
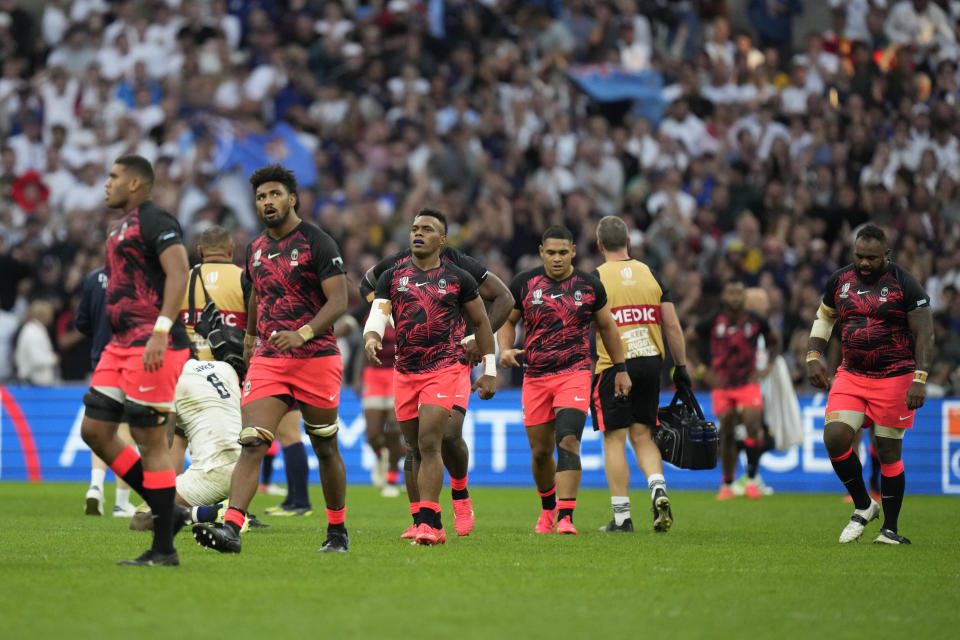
column 100, row 406
column 567, row 460
column 321, row 430
column 143, row 415
column 254, row 437
column 569, row 422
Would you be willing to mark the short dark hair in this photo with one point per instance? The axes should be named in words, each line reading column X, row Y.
column 612, row 233
column 872, row 232
column 137, row 165
column 276, row 173
column 557, row 231
column 433, row 213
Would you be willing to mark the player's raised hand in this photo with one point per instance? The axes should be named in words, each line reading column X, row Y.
column 154, row 351
column 286, row 340
column 487, row 386
column 916, row 395
column 622, row 384
column 817, row 375
column 371, row 348
column 508, row 358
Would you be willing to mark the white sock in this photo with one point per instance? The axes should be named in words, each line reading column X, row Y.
column 656, row 481
column 621, row 508
column 96, row 478
column 123, row 497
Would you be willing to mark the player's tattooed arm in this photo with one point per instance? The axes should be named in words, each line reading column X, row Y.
column 920, row 321
column 506, row 336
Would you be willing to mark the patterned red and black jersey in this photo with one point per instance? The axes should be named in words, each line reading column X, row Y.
column 447, row 254
column 732, row 346
column 427, row 309
column 287, row 276
column 872, row 318
column 135, row 276
column 557, row 317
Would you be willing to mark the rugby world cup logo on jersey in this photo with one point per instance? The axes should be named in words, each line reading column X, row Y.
column 404, row 281
column 293, row 258
column 537, row 297
column 627, row 274
column 256, row 258
column 211, row 279
column 845, row 290
column 950, row 465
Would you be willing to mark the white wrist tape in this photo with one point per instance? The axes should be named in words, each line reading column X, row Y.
column 163, row 325
column 823, row 325
column 377, row 320
column 490, row 365
column 470, row 337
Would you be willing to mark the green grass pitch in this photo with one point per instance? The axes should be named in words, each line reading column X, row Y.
column 739, row 569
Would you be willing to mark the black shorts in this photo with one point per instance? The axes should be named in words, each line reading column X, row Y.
column 610, row 413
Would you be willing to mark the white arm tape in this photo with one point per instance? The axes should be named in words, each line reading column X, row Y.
column 377, row 320
column 490, row 365
column 163, row 324
column 470, row 337
column 823, row 325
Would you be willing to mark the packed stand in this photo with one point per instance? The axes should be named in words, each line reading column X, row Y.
column 754, row 157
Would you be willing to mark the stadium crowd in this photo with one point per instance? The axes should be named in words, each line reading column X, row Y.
column 757, row 158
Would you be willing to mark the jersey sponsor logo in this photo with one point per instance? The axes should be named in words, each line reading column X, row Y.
column 845, row 290
column 271, row 256
column 167, row 236
column 144, row 389
column 421, row 284
column 537, row 297
column 556, row 295
column 860, row 293
column 293, row 258
column 636, row 314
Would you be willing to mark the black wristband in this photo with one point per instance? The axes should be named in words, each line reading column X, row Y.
column 620, row 367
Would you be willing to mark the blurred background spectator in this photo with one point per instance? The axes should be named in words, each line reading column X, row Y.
column 735, row 137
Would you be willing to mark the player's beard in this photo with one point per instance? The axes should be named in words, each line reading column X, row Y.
column 871, row 277
column 277, row 220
